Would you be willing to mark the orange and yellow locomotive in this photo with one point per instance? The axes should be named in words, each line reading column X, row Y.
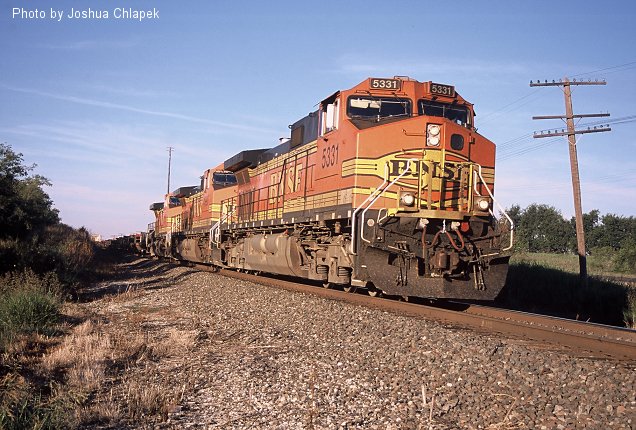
column 387, row 186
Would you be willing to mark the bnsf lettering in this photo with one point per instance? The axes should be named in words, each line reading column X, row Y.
column 291, row 179
column 398, row 166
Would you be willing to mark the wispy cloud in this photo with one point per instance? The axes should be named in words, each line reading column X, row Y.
column 355, row 64
column 94, row 44
column 127, row 91
column 117, row 106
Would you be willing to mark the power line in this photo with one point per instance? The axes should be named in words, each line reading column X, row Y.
column 615, row 69
column 496, row 112
column 511, row 148
column 524, row 150
column 616, row 177
column 633, row 63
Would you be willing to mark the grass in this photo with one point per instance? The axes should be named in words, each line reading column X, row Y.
column 599, row 264
column 549, row 283
column 48, row 266
column 629, row 314
column 21, row 409
column 28, row 304
column 29, row 312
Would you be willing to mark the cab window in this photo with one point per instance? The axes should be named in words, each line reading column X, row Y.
column 330, row 116
column 375, row 108
column 456, row 113
column 223, row 179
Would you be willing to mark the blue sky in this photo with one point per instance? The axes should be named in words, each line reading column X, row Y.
column 96, row 102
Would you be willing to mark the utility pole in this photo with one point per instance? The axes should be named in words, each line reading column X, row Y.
column 170, row 149
column 574, row 165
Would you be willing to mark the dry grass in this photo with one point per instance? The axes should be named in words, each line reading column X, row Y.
column 102, row 371
column 148, row 399
column 175, row 343
column 89, row 358
column 83, row 355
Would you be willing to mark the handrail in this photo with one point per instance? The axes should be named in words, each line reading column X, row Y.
column 373, row 197
column 501, row 209
column 406, row 170
column 215, row 230
column 355, row 212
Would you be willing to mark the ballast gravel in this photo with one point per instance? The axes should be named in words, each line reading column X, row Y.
column 244, row 356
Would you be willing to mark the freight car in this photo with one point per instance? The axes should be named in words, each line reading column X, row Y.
column 387, row 186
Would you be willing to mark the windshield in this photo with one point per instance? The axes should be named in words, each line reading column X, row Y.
column 223, row 178
column 456, row 113
column 377, row 108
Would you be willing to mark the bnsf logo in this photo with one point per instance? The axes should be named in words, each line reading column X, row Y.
column 396, row 168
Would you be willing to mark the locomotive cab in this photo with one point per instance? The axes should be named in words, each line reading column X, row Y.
column 422, row 218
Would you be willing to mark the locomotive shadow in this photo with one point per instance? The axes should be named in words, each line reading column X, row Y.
column 538, row 289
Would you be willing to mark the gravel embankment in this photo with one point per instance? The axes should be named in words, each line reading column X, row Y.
column 241, row 356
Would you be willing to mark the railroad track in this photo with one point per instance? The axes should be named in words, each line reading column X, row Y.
column 573, row 337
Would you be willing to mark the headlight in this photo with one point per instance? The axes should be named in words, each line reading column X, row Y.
column 483, row 204
column 407, row 199
column 433, row 134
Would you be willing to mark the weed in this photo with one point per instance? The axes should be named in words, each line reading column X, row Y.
column 22, row 406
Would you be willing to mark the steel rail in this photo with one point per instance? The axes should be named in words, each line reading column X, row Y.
column 582, row 338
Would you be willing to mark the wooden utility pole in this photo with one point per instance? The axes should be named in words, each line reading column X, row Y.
column 574, row 165
column 170, row 149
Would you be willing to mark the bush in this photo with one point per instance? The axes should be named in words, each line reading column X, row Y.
column 28, row 304
column 60, row 248
column 625, row 260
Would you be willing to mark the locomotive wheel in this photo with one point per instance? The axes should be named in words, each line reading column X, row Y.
column 374, row 292
column 349, row 288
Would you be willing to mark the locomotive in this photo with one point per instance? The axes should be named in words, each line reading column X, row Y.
column 387, row 186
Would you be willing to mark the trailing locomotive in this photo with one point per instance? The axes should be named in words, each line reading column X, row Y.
column 386, row 186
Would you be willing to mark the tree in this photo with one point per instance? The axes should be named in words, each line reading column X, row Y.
column 24, row 206
column 542, row 228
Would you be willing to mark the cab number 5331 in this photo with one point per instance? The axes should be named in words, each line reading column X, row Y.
column 330, row 156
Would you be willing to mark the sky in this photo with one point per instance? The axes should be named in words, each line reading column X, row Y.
column 96, row 102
